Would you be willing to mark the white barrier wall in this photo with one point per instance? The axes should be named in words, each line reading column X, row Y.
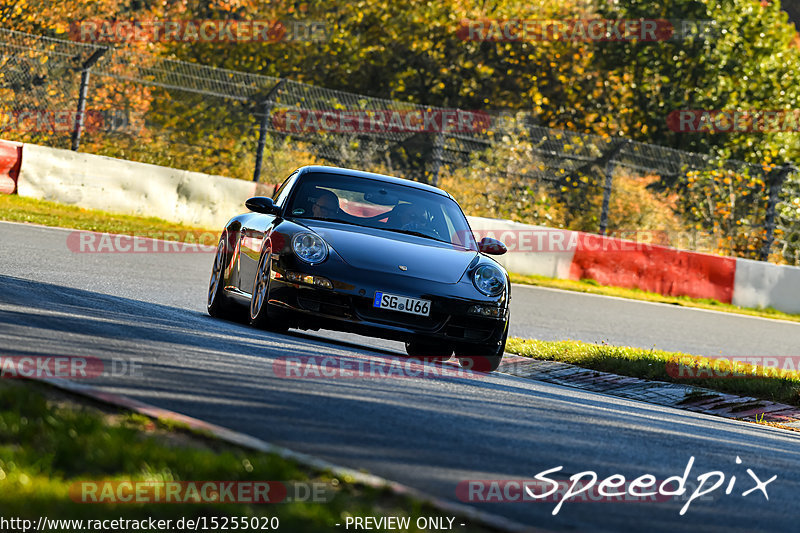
column 535, row 250
column 759, row 285
column 119, row 186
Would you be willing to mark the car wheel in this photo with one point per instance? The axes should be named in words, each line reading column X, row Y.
column 259, row 301
column 482, row 358
column 218, row 304
column 432, row 351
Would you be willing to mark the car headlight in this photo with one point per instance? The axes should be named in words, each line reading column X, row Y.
column 489, row 280
column 309, row 247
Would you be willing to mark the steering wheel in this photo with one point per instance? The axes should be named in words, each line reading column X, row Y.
column 413, row 226
column 423, row 228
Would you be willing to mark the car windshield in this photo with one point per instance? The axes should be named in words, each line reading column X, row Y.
column 381, row 205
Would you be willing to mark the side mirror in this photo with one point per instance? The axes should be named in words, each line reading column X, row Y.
column 492, row 246
column 262, row 204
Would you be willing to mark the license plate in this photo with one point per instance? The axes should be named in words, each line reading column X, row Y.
column 404, row 304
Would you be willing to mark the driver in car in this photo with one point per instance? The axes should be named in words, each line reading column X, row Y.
column 326, row 205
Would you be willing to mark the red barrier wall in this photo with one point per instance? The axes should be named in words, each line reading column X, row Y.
column 10, row 162
column 653, row 268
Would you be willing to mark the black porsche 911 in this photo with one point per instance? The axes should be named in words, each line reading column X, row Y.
column 371, row 254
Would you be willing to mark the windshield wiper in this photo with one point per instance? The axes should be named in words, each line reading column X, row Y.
column 417, row 234
column 327, row 219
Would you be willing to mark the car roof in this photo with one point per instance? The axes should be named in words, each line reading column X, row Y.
column 372, row 176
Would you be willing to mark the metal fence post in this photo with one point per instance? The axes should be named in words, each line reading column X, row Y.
column 263, row 129
column 84, row 91
column 438, row 153
column 776, row 180
column 607, row 188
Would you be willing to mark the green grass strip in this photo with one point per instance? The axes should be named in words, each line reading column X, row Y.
column 15, row 208
column 49, row 441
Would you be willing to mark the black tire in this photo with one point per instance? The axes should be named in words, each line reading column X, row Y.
column 218, row 304
column 259, row 300
column 429, row 351
column 482, row 358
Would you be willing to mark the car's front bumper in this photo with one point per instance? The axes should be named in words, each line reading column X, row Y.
column 348, row 306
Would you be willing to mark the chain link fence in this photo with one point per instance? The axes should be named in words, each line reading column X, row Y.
column 127, row 104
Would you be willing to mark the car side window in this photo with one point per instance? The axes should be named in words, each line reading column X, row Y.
column 283, row 191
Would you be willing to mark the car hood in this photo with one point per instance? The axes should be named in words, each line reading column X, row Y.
column 384, row 251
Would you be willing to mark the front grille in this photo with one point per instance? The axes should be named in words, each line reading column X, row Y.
column 471, row 328
column 365, row 311
column 326, row 304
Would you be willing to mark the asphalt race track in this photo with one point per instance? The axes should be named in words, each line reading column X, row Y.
column 427, row 433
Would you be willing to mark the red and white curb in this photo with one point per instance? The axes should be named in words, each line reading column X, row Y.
column 247, row 441
column 675, row 395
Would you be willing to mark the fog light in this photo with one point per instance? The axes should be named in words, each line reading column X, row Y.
column 308, row 279
column 322, row 282
column 493, row 312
